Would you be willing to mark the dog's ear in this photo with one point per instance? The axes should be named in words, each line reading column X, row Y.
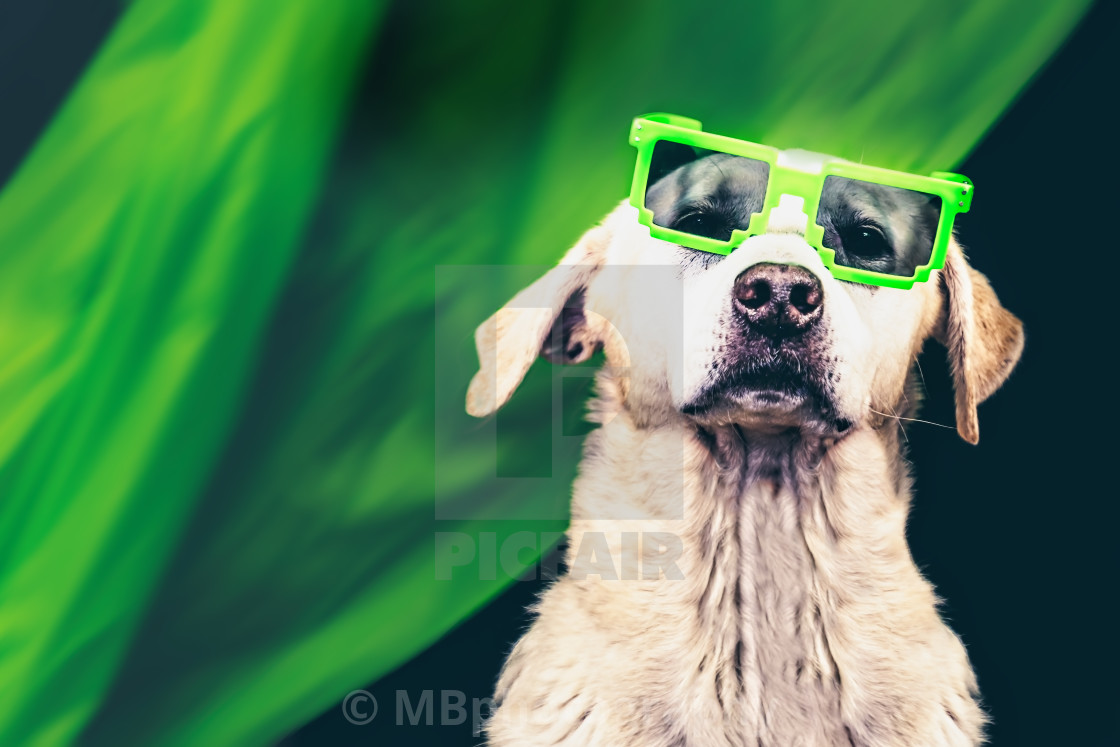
column 547, row 318
column 984, row 340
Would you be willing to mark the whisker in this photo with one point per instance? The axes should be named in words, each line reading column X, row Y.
column 912, row 420
column 905, row 435
column 922, row 374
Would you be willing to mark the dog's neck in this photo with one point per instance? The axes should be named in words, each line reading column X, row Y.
column 781, row 560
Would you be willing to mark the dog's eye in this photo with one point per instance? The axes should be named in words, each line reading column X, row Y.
column 865, row 242
column 708, row 225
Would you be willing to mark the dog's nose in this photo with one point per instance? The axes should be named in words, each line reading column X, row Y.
column 778, row 300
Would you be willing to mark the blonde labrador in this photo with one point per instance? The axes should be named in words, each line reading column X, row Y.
column 738, row 566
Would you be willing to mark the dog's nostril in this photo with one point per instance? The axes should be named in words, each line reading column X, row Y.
column 755, row 295
column 805, row 298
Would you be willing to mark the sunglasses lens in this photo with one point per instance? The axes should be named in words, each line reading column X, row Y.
column 703, row 193
column 874, row 227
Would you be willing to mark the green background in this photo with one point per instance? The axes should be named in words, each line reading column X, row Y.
column 236, row 304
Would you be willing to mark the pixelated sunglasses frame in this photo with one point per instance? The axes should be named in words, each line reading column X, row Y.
column 646, row 131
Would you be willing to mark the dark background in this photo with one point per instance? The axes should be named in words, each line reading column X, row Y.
column 1016, row 534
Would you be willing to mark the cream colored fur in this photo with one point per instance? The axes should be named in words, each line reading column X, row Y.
column 778, row 603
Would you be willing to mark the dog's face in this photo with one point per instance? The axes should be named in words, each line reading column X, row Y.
column 765, row 337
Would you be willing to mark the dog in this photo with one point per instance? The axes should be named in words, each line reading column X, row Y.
column 750, row 414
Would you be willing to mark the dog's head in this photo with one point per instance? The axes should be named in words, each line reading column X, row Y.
column 765, row 337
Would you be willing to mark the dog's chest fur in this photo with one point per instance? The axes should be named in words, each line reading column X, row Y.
column 797, row 617
column 761, row 617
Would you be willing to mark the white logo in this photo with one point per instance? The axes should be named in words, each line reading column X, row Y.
column 359, row 707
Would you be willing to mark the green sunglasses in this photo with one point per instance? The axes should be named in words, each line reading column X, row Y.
column 850, row 202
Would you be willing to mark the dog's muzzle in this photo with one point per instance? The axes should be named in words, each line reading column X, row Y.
column 772, row 366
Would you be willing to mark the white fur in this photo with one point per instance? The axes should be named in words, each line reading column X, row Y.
column 791, row 612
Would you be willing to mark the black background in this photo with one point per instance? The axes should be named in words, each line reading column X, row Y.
column 1017, row 534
